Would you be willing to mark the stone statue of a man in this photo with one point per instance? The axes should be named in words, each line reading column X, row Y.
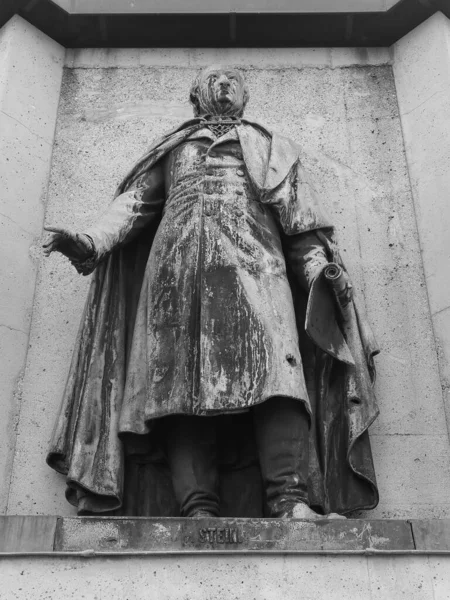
column 208, row 266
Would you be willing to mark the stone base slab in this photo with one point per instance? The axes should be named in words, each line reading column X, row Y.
column 123, row 535
column 230, row 535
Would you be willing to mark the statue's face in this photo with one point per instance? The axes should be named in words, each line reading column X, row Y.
column 226, row 87
column 221, row 91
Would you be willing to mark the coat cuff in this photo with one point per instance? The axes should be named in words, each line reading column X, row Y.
column 88, row 265
column 321, row 323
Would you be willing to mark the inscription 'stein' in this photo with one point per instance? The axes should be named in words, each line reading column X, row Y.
column 220, row 535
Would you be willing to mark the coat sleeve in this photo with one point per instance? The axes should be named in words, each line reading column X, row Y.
column 296, row 204
column 302, row 223
column 125, row 217
column 306, row 256
column 297, row 210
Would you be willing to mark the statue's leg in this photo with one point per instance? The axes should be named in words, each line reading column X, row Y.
column 192, row 456
column 282, row 437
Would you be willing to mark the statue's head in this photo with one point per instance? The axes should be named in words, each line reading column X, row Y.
column 218, row 91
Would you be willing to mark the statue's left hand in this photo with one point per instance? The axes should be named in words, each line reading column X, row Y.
column 348, row 293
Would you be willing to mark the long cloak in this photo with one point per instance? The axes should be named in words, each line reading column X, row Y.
column 338, row 363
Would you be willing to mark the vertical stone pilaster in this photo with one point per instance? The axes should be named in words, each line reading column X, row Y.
column 31, row 67
column 422, row 77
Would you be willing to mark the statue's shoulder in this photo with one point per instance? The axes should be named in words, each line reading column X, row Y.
column 157, row 150
column 173, row 133
column 257, row 128
column 184, row 125
column 280, row 142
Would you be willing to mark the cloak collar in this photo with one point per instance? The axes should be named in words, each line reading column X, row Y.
column 268, row 156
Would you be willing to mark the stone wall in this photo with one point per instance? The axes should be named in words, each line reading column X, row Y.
column 341, row 107
column 227, row 577
column 31, row 66
column 422, row 75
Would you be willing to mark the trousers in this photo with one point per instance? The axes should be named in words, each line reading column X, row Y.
column 281, row 427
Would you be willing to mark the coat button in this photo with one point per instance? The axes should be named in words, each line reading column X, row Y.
column 291, row 360
column 240, row 173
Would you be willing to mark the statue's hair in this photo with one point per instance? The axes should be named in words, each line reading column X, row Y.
column 195, row 98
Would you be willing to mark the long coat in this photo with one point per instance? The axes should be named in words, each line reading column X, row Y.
column 144, row 352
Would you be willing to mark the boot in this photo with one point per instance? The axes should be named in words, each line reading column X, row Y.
column 202, row 514
column 192, row 456
column 282, row 438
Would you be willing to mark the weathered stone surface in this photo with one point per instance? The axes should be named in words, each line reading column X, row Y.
column 235, row 535
column 27, row 534
column 422, row 74
column 229, row 577
column 259, row 567
column 270, row 58
column 441, row 323
column 431, row 534
column 30, row 79
column 407, row 478
column 422, row 61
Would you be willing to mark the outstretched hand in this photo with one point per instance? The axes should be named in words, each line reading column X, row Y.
column 71, row 244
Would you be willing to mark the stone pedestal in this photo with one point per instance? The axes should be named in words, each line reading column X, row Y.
column 223, row 559
column 242, row 536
